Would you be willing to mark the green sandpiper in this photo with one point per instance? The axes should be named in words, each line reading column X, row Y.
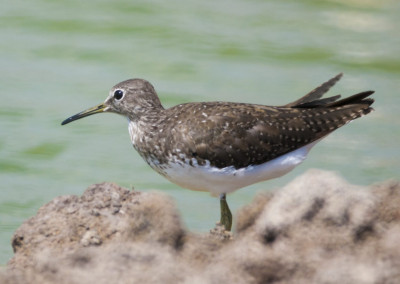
column 220, row 147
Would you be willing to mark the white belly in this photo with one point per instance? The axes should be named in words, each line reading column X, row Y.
column 229, row 179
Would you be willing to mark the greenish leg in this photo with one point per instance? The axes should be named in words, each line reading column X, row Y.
column 226, row 215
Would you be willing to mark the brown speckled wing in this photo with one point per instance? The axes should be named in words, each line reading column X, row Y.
column 239, row 135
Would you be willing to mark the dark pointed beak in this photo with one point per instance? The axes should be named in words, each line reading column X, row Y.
column 97, row 109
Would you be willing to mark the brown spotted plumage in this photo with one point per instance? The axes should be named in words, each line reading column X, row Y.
column 222, row 146
column 237, row 134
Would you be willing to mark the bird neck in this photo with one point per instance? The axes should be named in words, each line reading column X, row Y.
column 145, row 114
column 147, row 120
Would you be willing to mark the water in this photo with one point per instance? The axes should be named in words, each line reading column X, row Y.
column 60, row 57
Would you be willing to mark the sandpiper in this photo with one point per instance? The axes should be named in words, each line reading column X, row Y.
column 220, row 147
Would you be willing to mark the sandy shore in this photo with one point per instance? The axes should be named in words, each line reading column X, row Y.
column 316, row 229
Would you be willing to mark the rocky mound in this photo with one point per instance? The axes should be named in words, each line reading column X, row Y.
column 317, row 229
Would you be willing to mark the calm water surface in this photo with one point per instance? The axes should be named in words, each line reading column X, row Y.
column 60, row 57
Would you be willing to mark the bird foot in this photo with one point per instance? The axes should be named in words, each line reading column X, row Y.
column 219, row 232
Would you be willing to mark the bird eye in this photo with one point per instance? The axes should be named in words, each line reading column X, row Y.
column 118, row 94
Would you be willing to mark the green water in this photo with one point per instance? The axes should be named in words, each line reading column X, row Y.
column 60, row 57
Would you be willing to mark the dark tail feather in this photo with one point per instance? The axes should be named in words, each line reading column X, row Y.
column 318, row 103
column 360, row 98
column 316, row 93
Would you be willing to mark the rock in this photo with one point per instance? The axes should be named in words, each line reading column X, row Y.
column 104, row 213
column 317, row 229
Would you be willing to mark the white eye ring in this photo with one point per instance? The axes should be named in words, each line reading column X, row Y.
column 119, row 94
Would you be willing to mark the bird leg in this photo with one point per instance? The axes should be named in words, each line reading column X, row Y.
column 226, row 215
